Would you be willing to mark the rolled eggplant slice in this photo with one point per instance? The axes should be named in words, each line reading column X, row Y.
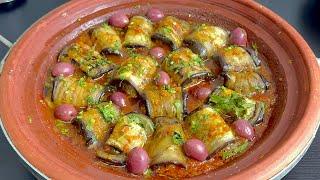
column 95, row 122
column 207, row 125
column 132, row 130
column 112, row 159
column 171, row 31
column 138, row 70
column 205, row 40
column 89, row 60
column 234, row 149
column 235, row 106
column 183, row 65
column 246, row 83
column 236, row 58
column 76, row 91
column 166, row 145
column 164, row 101
column 105, row 39
column 139, row 32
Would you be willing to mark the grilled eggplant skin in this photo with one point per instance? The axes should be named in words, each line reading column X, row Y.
column 236, row 58
column 207, row 125
column 95, row 122
column 76, row 91
column 105, row 39
column 139, row 32
column 183, row 64
column 165, row 147
column 164, row 101
column 131, row 130
column 205, row 40
column 246, row 83
column 89, row 60
column 236, row 106
column 171, row 31
column 138, row 70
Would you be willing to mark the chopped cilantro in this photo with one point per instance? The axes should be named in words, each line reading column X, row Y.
column 91, row 101
column 177, row 138
column 90, row 124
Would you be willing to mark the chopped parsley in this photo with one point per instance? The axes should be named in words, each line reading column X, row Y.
column 82, row 81
column 177, row 138
column 195, row 125
column 109, row 112
column 169, row 89
column 232, row 103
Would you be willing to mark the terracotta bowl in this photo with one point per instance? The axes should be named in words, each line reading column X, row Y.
column 28, row 123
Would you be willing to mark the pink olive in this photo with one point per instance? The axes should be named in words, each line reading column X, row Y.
column 65, row 112
column 155, row 14
column 244, row 129
column 157, row 52
column 162, row 79
column 238, row 37
column 62, row 68
column 195, row 149
column 202, row 93
column 120, row 99
column 119, row 20
column 137, row 161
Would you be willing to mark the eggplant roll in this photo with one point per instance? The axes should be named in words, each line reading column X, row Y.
column 95, row 122
column 164, row 101
column 131, row 130
column 183, row 65
column 234, row 149
column 138, row 70
column 139, row 32
column 105, row 39
column 246, row 83
column 171, row 31
column 207, row 125
column 205, row 40
column 166, row 145
column 89, row 60
column 76, row 91
column 236, row 58
column 235, row 106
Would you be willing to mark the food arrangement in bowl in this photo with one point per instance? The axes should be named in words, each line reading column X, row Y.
column 157, row 95
column 201, row 89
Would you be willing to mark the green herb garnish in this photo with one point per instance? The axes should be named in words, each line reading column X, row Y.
column 177, row 138
column 109, row 111
column 169, row 89
column 82, row 81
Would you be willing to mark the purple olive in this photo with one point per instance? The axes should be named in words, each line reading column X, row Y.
column 162, row 78
column 238, row 37
column 120, row 99
column 195, row 149
column 119, row 20
column 244, row 129
column 62, row 68
column 157, row 52
column 202, row 93
column 155, row 14
column 65, row 112
column 137, row 161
